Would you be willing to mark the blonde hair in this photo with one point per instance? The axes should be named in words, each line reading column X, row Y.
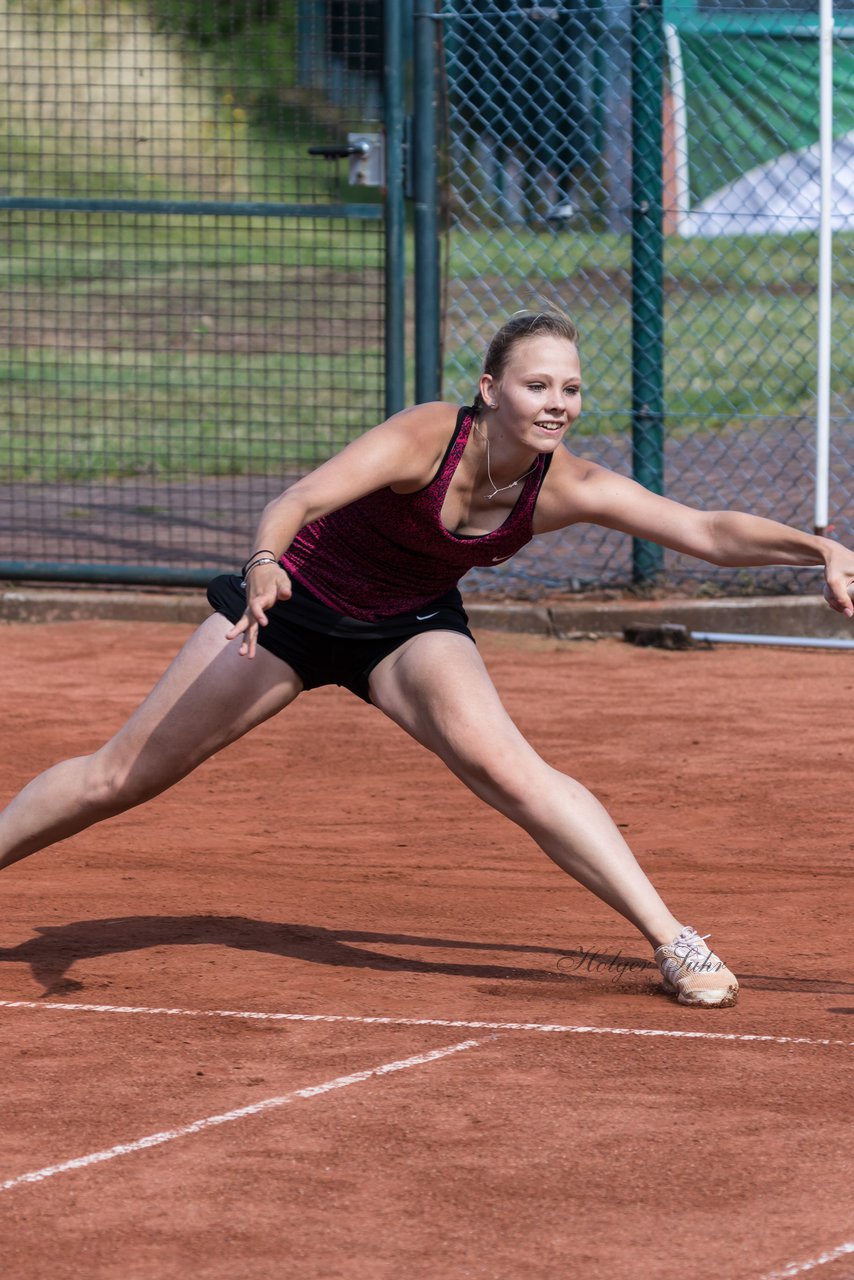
column 524, row 324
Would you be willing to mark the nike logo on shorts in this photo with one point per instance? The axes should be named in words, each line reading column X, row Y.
column 495, row 559
column 422, row 617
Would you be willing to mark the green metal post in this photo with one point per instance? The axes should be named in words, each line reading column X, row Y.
column 428, row 373
column 647, row 44
column 395, row 212
column 311, row 63
column 598, row 84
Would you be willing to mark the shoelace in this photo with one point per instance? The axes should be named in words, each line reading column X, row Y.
column 688, row 947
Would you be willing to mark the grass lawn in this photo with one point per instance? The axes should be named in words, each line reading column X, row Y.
column 169, row 346
column 740, row 320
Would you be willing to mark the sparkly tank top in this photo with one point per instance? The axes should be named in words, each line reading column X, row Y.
column 388, row 552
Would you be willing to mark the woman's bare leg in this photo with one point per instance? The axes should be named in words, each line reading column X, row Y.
column 208, row 697
column 437, row 688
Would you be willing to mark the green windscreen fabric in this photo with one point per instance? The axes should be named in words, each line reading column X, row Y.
column 752, row 96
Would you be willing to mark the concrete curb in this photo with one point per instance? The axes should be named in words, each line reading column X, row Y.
column 35, row 604
column 764, row 615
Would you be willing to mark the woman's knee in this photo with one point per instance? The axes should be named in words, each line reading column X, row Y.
column 507, row 775
column 116, row 783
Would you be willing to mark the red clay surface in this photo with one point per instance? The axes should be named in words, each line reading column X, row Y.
column 328, row 866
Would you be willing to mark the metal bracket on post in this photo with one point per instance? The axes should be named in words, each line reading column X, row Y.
column 367, row 165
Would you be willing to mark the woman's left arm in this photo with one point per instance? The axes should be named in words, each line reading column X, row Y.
column 583, row 491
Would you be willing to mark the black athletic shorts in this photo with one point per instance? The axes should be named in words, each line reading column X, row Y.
column 327, row 647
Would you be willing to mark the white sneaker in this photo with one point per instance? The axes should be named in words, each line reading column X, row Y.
column 694, row 974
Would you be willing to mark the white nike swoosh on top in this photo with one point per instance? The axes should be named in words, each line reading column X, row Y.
column 422, row 617
column 495, row 559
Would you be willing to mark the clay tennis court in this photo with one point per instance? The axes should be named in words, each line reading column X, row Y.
column 317, row 1012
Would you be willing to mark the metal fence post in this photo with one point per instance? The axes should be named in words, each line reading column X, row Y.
column 311, row 65
column 395, row 213
column 428, row 374
column 647, row 412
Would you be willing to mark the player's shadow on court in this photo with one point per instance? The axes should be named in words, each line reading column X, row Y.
column 57, row 948
column 54, row 952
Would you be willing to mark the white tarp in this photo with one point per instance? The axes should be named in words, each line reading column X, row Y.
column 778, row 198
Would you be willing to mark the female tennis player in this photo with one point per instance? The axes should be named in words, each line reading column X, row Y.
column 353, row 581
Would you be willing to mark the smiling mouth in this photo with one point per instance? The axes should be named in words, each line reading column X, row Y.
column 550, row 426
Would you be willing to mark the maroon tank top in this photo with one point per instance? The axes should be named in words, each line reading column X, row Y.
column 388, row 552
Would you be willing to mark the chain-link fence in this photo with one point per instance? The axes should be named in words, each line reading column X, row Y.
column 191, row 304
column 537, row 107
column 194, row 309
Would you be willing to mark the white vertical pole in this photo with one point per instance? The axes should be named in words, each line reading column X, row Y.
column 680, row 125
column 825, row 277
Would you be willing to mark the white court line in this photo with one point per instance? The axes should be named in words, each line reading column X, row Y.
column 251, row 1015
column 800, row 1268
column 254, row 1109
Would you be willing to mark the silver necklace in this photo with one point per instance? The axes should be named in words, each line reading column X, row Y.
column 496, row 489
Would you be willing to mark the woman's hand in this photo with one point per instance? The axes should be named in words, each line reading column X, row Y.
column 839, row 579
column 265, row 584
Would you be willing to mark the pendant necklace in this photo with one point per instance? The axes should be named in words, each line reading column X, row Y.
column 496, row 489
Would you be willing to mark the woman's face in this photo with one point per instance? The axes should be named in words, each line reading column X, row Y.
column 538, row 396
